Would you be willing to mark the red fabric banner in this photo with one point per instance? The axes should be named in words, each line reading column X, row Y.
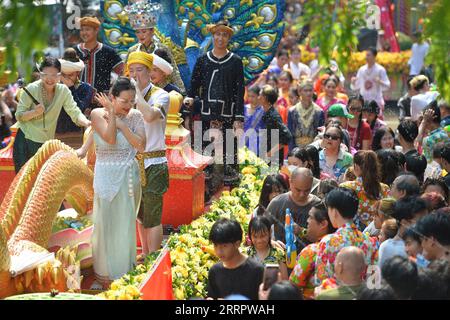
column 158, row 284
column 387, row 23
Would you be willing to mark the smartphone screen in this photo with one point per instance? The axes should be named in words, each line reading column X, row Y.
column 270, row 275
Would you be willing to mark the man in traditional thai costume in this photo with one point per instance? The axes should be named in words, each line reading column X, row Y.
column 153, row 102
column 218, row 82
column 99, row 59
column 82, row 92
column 143, row 17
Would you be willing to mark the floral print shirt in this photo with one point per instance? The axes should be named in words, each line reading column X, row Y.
column 436, row 136
column 276, row 255
column 328, row 248
column 344, row 161
column 303, row 273
column 366, row 208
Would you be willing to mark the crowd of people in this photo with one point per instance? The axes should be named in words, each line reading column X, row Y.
column 368, row 202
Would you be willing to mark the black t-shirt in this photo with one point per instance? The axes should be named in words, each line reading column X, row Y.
column 244, row 280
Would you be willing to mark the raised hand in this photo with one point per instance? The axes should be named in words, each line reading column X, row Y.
column 104, row 101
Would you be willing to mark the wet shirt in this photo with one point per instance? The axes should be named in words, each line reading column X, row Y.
column 328, row 248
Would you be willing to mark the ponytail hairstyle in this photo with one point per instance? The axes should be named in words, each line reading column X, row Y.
column 370, row 172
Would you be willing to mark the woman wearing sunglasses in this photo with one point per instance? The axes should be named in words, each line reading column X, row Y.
column 38, row 110
column 358, row 129
column 332, row 159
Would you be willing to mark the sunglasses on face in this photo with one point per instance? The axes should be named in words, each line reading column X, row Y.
column 331, row 137
column 355, row 109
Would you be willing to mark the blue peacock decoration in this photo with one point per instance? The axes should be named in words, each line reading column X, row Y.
column 182, row 26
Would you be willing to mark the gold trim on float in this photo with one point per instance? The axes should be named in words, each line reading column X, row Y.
column 6, row 168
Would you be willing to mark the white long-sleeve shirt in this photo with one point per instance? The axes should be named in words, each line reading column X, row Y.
column 374, row 90
column 419, row 51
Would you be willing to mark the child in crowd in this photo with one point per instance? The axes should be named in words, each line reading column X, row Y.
column 412, row 243
column 260, row 245
column 273, row 185
column 226, row 235
column 325, row 186
column 388, row 230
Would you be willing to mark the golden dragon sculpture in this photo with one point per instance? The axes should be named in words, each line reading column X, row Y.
column 28, row 210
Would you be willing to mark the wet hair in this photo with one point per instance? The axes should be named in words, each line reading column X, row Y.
column 164, row 54
column 259, row 225
column 416, row 164
column 321, row 214
column 225, row 231
column 409, row 183
column 436, row 225
column 121, row 84
column 373, row 50
column 418, row 82
column 433, row 105
column 286, row 74
column 70, row 54
column 376, row 142
column 383, row 293
column 435, row 200
column 255, row 89
column 50, row 62
column 391, row 228
column 411, row 233
column 406, row 208
column 285, row 290
column 436, row 182
column 271, row 182
column 370, row 172
column 344, row 200
column 389, row 165
column 409, row 130
column 431, row 285
column 270, row 93
column 372, row 107
column 309, row 154
column 402, row 276
column 326, row 185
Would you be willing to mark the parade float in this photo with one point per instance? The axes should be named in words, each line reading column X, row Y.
column 43, row 250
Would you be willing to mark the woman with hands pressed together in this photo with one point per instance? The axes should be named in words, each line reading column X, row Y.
column 118, row 132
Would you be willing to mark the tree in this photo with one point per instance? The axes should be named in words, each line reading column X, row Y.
column 24, row 29
column 438, row 31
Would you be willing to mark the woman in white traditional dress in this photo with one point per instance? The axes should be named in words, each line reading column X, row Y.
column 118, row 134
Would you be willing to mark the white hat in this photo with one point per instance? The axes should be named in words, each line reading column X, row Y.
column 162, row 64
column 69, row 66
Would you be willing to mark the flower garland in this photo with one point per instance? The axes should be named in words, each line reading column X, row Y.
column 191, row 253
